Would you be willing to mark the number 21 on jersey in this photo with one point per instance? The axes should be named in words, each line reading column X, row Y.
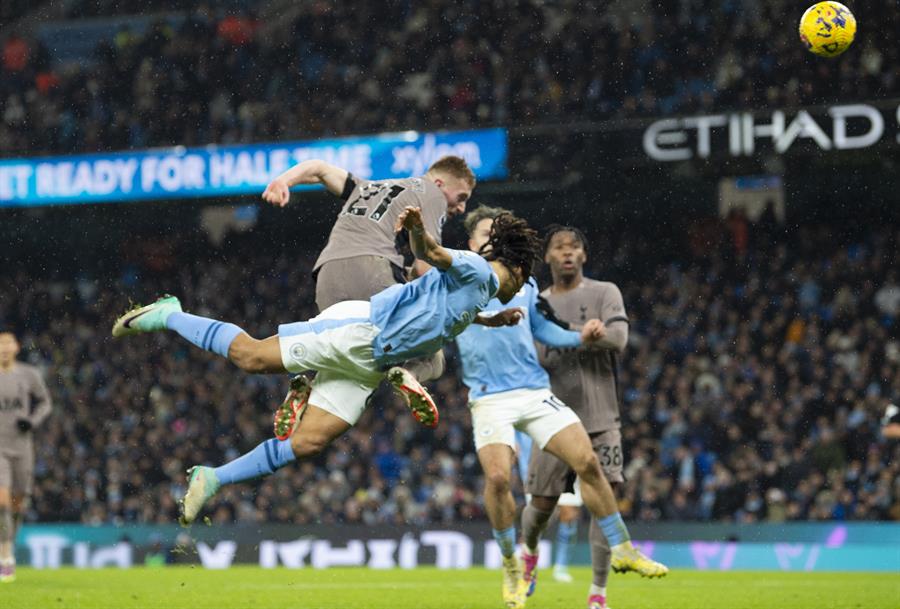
column 382, row 193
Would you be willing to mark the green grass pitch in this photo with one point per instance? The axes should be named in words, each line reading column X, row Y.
column 428, row 588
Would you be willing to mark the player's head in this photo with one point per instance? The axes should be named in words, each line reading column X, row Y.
column 565, row 250
column 452, row 175
column 9, row 346
column 515, row 246
column 478, row 225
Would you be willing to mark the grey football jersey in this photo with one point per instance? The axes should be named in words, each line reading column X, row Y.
column 365, row 226
column 586, row 379
column 23, row 395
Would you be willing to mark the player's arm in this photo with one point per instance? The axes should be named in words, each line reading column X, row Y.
column 506, row 317
column 615, row 325
column 40, row 403
column 314, row 171
column 423, row 245
column 418, row 268
column 615, row 335
column 548, row 328
column 431, row 217
column 552, row 331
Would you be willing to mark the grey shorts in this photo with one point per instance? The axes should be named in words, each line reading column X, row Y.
column 357, row 278
column 550, row 477
column 17, row 471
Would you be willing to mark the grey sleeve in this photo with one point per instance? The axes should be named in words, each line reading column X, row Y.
column 434, row 211
column 616, row 336
column 612, row 310
column 41, row 403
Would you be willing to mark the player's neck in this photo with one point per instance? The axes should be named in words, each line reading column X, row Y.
column 503, row 275
column 7, row 366
column 566, row 284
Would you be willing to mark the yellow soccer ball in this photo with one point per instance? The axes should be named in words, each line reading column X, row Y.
column 827, row 28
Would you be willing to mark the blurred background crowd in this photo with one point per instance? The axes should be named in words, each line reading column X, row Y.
column 226, row 71
column 762, row 354
column 757, row 370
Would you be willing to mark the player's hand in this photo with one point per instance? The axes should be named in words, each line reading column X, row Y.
column 24, row 425
column 594, row 330
column 506, row 317
column 410, row 218
column 277, row 193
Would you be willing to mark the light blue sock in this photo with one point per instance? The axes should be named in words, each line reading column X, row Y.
column 209, row 334
column 565, row 541
column 614, row 528
column 261, row 461
column 506, row 539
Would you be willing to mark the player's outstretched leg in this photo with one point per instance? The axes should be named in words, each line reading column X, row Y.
column 573, row 447
column 150, row 318
column 416, row 396
column 225, row 339
column 202, row 486
column 288, row 414
column 318, row 430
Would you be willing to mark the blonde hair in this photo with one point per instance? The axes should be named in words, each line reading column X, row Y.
column 453, row 166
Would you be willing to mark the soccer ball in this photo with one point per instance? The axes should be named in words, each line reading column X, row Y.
column 827, row 28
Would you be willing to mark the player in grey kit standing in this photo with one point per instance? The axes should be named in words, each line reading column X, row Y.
column 363, row 257
column 586, row 379
column 24, row 404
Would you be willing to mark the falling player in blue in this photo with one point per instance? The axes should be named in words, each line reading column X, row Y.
column 353, row 345
column 509, row 391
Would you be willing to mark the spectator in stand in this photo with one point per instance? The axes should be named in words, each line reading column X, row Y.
column 214, row 73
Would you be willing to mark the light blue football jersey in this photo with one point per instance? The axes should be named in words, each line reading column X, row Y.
column 417, row 318
column 505, row 359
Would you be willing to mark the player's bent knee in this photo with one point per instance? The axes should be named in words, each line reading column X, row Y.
column 587, row 467
column 497, row 480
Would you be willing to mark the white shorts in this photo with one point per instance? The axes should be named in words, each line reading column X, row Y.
column 537, row 412
column 337, row 344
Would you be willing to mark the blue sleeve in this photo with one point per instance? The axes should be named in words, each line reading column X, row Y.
column 546, row 331
column 468, row 267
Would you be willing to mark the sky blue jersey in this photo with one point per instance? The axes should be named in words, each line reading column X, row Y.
column 417, row 318
column 504, row 359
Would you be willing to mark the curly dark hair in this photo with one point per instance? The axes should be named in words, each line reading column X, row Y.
column 555, row 229
column 513, row 243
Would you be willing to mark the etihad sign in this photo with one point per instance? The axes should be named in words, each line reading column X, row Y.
column 743, row 134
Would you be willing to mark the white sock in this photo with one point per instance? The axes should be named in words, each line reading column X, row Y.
column 595, row 590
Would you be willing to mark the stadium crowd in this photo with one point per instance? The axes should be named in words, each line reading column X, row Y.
column 758, row 368
column 222, row 73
